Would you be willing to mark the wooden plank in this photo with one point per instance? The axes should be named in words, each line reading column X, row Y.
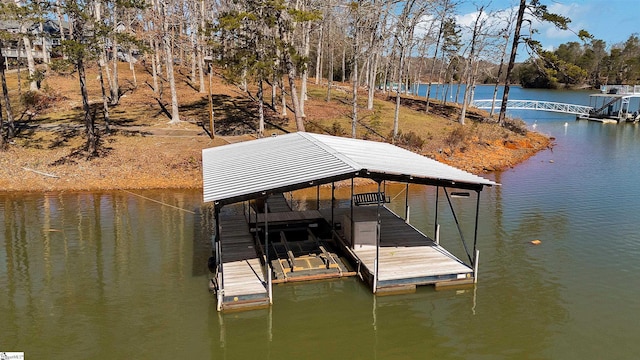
column 243, row 275
column 278, row 203
column 406, row 254
column 290, row 216
column 292, row 259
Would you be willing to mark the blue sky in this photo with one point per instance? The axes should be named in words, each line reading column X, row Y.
column 610, row 20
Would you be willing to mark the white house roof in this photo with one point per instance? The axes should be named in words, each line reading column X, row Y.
column 251, row 169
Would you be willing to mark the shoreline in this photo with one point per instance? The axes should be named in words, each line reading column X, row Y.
column 163, row 163
column 144, row 152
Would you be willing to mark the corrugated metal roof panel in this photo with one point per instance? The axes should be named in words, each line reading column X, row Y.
column 241, row 169
column 250, row 167
column 390, row 159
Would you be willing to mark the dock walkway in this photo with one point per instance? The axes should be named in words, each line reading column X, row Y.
column 242, row 279
column 407, row 257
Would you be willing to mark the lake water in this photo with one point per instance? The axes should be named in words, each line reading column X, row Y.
column 114, row 275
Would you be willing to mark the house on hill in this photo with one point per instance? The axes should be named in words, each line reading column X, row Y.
column 46, row 39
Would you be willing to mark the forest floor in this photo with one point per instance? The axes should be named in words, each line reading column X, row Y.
column 143, row 151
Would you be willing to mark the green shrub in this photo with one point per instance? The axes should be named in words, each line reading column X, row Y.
column 337, row 129
column 410, row 140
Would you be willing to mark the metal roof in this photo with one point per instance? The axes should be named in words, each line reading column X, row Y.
column 251, row 169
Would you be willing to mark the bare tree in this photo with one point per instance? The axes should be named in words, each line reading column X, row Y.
column 470, row 79
column 541, row 13
column 168, row 51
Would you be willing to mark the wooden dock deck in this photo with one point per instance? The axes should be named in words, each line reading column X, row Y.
column 242, row 281
column 407, row 258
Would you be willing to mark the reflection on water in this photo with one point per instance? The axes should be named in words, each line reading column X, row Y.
column 120, row 275
column 80, row 271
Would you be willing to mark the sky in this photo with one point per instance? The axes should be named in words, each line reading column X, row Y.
column 610, row 20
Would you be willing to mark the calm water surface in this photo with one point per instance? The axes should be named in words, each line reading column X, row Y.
column 116, row 275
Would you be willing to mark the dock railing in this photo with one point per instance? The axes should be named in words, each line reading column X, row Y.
column 620, row 89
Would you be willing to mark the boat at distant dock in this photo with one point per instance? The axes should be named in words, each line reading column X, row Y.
column 614, row 104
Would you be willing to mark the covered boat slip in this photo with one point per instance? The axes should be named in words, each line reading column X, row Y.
column 243, row 279
column 615, row 104
column 406, row 257
column 385, row 250
column 298, row 245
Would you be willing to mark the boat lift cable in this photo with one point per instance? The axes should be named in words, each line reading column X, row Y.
column 159, row 202
column 455, row 217
column 398, row 194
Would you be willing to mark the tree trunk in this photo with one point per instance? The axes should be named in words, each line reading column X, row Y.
column 372, row 81
column 396, row 113
column 3, row 138
column 319, row 55
column 495, row 88
column 260, row 109
column 105, row 98
column 354, row 81
column 31, row 63
column 330, row 75
column 194, row 56
column 59, row 16
column 305, row 67
column 354, row 98
column 11, row 129
column 284, row 99
column 133, row 69
column 175, row 115
column 115, row 87
column 344, row 64
column 154, row 66
column 3, row 141
column 46, row 58
column 291, row 73
column 512, row 61
column 433, row 64
column 89, row 123
column 200, row 49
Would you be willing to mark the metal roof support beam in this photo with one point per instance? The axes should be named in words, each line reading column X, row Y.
column 219, row 268
column 333, row 205
column 406, row 203
column 378, row 225
column 435, row 226
column 284, row 189
column 351, row 216
column 455, row 217
column 432, row 182
column 267, row 266
column 475, row 231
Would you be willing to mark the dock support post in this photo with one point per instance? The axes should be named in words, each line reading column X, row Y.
column 406, row 204
column 333, row 205
column 475, row 232
column 219, row 267
column 475, row 267
column 437, row 234
column 435, row 226
column 351, row 214
column 266, row 242
column 375, row 276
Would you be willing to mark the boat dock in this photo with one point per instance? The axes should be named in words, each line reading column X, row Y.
column 270, row 242
column 407, row 257
column 614, row 104
column 299, row 247
column 241, row 276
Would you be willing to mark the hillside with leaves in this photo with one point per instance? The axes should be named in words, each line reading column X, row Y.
column 142, row 150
